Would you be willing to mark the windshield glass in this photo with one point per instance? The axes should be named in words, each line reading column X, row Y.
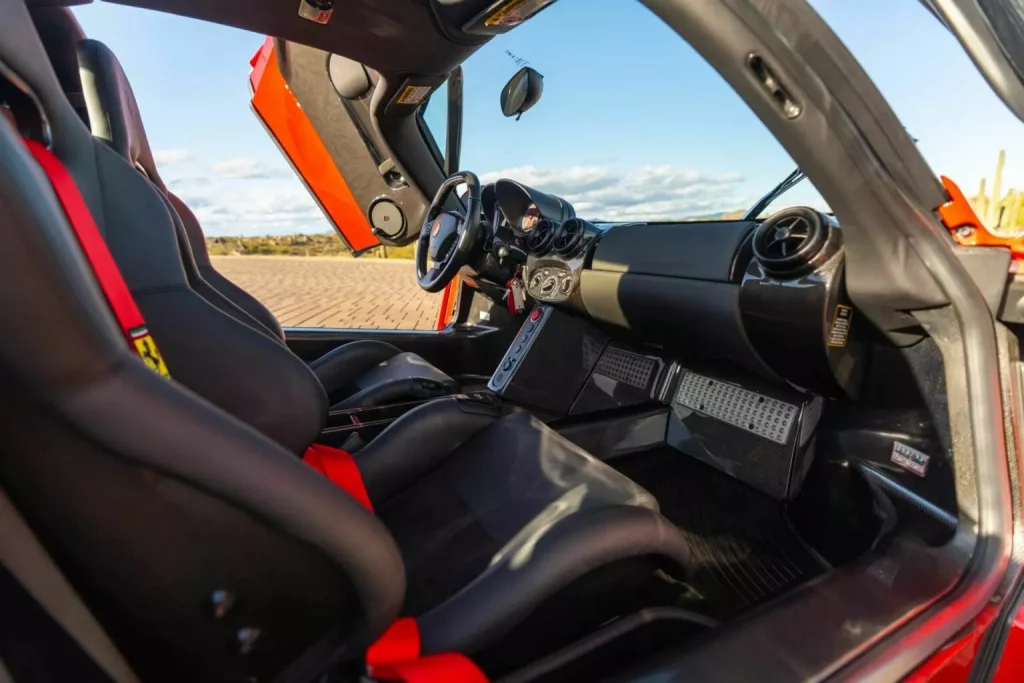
column 633, row 125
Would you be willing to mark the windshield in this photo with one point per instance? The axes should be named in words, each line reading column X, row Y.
column 633, row 125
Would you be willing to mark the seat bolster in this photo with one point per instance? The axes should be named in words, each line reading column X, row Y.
column 199, row 285
column 235, row 294
column 535, row 566
column 157, row 424
column 418, row 442
column 340, row 367
column 399, row 390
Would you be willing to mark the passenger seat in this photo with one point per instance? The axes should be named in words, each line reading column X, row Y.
column 208, row 552
column 358, row 374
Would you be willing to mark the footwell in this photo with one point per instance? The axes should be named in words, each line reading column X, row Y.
column 744, row 550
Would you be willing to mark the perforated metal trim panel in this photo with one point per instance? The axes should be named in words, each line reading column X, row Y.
column 761, row 415
column 626, row 367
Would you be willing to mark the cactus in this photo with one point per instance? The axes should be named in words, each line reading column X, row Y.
column 1002, row 214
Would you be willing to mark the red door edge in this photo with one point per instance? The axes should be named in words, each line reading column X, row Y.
column 282, row 115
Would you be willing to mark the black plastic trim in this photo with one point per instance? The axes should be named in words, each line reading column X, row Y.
column 897, row 490
column 867, row 168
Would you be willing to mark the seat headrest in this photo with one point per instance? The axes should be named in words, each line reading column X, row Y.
column 60, row 34
column 113, row 112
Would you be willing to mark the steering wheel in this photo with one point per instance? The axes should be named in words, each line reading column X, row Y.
column 447, row 237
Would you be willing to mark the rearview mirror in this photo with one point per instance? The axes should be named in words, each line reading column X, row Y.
column 521, row 92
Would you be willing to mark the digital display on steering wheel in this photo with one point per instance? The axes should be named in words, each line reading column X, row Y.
column 530, row 218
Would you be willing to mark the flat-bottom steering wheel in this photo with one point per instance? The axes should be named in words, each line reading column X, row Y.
column 447, row 237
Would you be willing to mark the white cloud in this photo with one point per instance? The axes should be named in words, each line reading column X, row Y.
column 169, row 157
column 643, row 194
column 228, row 208
column 226, row 211
column 247, row 168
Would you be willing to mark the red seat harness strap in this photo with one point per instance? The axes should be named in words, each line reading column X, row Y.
column 395, row 656
column 116, row 291
column 340, row 467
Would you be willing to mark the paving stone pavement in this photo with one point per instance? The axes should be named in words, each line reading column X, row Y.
column 335, row 292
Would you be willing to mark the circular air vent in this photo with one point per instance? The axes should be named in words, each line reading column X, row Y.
column 538, row 240
column 569, row 236
column 790, row 239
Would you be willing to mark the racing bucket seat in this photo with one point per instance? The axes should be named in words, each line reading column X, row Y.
column 357, row 374
column 208, row 551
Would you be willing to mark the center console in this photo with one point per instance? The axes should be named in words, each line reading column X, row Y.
column 549, row 361
column 753, row 429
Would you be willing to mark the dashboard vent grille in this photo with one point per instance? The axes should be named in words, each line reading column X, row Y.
column 791, row 239
column 538, row 240
column 569, row 236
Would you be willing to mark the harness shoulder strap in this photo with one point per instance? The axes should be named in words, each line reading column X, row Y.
column 115, row 289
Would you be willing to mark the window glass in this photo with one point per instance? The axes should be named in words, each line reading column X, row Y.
column 264, row 230
column 633, row 124
column 435, row 115
column 961, row 126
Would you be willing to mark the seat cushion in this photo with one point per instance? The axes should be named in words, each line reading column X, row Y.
column 489, row 497
column 511, row 517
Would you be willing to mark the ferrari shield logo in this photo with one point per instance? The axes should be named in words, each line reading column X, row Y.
column 436, row 229
column 147, row 349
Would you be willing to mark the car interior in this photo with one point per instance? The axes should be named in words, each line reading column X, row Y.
column 715, row 449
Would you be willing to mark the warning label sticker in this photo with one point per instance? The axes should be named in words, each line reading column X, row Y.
column 516, row 12
column 414, row 94
column 840, row 332
column 910, row 458
column 147, row 349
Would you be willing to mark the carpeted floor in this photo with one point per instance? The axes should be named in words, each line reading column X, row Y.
column 744, row 550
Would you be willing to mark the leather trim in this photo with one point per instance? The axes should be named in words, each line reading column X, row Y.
column 416, row 443
column 141, row 416
column 394, row 391
column 199, row 284
column 232, row 292
column 348, row 361
column 113, row 111
column 531, row 569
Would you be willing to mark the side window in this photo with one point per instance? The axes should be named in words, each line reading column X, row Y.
column 264, row 231
column 435, row 116
column 973, row 138
column 310, row 280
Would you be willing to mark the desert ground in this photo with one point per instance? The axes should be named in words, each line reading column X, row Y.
column 335, row 292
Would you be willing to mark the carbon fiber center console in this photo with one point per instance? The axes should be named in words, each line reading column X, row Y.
column 748, row 427
column 549, row 361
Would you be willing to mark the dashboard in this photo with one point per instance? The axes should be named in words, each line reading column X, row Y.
column 744, row 328
column 765, row 296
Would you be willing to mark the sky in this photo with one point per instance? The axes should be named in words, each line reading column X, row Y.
column 633, row 124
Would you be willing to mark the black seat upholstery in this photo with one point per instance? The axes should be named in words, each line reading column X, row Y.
column 347, row 377
column 152, row 499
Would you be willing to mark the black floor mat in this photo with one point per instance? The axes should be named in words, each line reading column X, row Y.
column 744, row 549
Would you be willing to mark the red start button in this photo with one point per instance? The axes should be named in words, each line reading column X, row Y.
column 535, row 315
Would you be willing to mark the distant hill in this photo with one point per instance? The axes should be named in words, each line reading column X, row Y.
column 331, row 244
column 295, row 245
